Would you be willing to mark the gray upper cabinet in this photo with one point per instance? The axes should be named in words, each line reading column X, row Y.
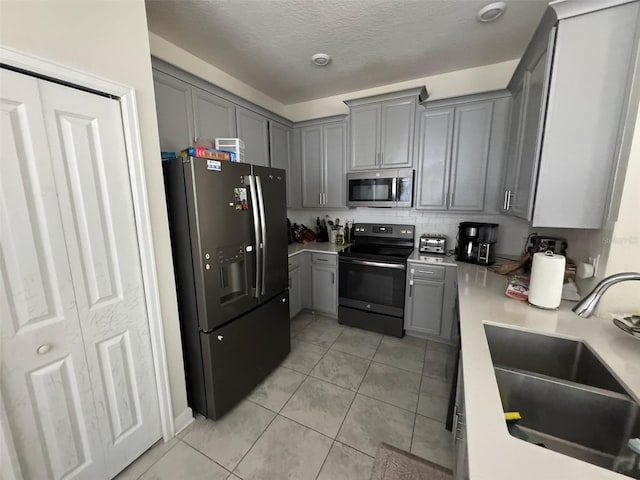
column 215, row 117
column 436, row 134
column 175, row 112
column 570, row 140
column 323, row 153
column 382, row 130
column 365, row 122
column 253, row 130
column 280, row 152
column 514, row 143
column 312, row 158
column 469, row 156
column 460, row 151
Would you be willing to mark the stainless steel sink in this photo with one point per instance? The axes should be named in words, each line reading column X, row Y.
column 553, row 356
column 569, row 401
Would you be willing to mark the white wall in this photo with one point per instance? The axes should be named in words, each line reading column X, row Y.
column 451, row 84
column 109, row 39
column 461, row 82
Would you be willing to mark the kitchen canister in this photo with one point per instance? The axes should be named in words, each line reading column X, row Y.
column 547, row 277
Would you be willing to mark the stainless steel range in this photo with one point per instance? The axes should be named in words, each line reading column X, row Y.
column 372, row 277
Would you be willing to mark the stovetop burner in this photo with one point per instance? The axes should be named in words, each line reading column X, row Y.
column 381, row 242
column 377, row 251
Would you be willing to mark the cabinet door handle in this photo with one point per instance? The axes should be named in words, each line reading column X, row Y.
column 320, row 198
column 509, row 195
column 333, row 277
column 428, row 272
column 289, row 282
column 381, row 158
column 410, row 289
column 321, row 260
column 504, row 200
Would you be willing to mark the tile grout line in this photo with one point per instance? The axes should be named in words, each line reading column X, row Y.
column 254, row 443
column 153, row 463
column 205, row 455
column 415, row 419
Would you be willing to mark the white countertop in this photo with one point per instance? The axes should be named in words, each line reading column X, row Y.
column 493, row 453
column 323, row 247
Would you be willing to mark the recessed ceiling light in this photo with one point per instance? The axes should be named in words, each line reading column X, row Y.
column 491, row 12
column 321, row 59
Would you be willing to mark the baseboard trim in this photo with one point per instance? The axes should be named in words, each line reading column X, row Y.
column 183, row 420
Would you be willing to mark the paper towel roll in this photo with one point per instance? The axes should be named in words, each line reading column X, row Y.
column 547, row 277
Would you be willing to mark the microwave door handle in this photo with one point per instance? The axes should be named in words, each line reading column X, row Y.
column 263, row 231
column 394, row 189
column 256, row 230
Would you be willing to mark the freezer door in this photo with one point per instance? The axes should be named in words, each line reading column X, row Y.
column 223, row 240
column 271, row 187
column 238, row 356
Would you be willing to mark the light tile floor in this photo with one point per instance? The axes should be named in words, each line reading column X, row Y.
column 322, row 413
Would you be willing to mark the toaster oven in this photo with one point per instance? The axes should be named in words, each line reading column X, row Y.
column 430, row 243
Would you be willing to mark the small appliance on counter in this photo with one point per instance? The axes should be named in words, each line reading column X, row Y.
column 432, row 243
column 540, row 243
column 477, row 242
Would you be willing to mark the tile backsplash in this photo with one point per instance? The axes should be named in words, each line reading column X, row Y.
column 512, row 232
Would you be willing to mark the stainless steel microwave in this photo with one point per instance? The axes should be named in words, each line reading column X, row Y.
column 380, row 188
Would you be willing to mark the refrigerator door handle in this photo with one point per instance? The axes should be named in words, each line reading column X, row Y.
column 263, row 231
column 256, row 230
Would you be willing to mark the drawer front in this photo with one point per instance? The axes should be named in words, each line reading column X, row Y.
column 324, row 259
column 427, row 272
column 294, row 261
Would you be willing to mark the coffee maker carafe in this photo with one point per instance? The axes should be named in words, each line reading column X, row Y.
column 476, row 242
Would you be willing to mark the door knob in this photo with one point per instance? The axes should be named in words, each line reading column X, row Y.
column 44, row 348
column 220, row 337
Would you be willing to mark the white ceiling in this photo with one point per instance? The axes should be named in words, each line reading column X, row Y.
column 268, row 43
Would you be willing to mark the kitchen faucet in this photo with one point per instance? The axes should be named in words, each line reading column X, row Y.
column 588, row 304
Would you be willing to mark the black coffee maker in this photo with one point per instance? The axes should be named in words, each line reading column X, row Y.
column 477, row 243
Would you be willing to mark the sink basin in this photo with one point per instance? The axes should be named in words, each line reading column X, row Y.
column 569, row 401
column 556, row 357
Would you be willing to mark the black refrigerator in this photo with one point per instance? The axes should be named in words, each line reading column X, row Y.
column 229, row 238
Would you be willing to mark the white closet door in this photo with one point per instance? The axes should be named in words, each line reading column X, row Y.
column 44, row 374
column 92, row 178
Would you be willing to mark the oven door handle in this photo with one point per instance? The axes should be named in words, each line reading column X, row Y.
column 398, row 266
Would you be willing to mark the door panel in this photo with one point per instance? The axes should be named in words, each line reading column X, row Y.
column 91, row 172
column 175, row 112
column 214, row 116
column 335, row 152
column 396, row 138
column 241, row 354
column 280, row 152
column 227, row 287
column 514, row 141
column 44, row 375
column 312, row 166
column 274, row 247
column 425, row 300
column 323, row 281
column 365, row 136
column 470, row 156
column 436, row 132
column 253, row 129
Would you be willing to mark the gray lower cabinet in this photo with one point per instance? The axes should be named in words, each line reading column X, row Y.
column 563, row 157
column 459, row 431
column 253, row 130
column 280, row 153
column 215, row 117
column 324, row 283
column 460, row 153
column 175, row 112
column 430, row 301
column 295, row 290
column 323, row 154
